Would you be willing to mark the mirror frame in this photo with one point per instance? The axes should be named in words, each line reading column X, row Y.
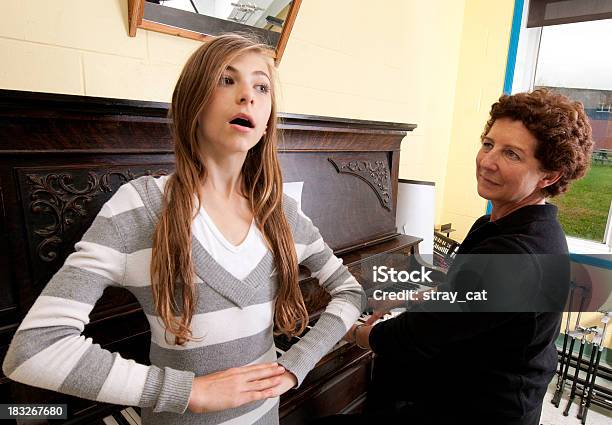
column 136, row 20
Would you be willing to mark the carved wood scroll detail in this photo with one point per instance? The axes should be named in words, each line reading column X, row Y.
column 375, row 173
column 63, row 202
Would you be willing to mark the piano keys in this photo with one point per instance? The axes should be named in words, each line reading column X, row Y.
column 127, row 416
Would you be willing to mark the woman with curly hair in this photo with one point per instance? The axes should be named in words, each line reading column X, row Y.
column 493, row 363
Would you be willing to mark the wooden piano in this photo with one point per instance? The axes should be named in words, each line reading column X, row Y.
column 62, row 157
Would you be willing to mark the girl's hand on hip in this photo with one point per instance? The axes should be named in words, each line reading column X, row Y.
column 288, row 381
column 236, row 386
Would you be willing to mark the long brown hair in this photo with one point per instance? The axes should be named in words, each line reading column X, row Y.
column 172, row 269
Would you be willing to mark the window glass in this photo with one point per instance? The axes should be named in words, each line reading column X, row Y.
column 574, row 59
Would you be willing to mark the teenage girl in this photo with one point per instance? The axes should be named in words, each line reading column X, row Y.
column 211, row 252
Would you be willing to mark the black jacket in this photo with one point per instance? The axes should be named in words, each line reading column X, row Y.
column 489, row 367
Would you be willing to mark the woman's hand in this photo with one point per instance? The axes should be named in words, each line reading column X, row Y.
column 237, row 386
column 350, row 335
column 375, row 316
column 359, row 334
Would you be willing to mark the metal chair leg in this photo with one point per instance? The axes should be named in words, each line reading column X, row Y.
column 566, row 356
column 587, row 379
column 562, row 369
column 598, row 342
column 589, row 397
column 576, row 373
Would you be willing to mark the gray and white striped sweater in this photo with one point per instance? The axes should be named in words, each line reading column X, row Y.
column 234, row 318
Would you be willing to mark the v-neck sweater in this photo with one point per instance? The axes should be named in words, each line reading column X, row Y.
column 233, row 317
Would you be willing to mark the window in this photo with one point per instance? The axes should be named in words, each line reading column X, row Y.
column 573, row 59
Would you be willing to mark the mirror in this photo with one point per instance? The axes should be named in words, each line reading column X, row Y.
column 270, row 20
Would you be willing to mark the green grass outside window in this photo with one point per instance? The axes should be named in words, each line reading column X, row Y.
column 583, row 210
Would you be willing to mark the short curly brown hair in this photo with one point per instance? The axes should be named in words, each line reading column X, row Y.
column 561, row 127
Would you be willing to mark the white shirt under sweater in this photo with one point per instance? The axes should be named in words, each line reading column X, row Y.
column 239, row 260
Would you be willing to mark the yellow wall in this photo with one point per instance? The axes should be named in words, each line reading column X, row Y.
column 484, row 46
column 82, row 47
column 438, row 64
column 390, row 61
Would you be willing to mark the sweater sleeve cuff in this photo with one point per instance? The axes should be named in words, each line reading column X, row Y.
column 303, row 355
column 294, row 364
column 167, row 390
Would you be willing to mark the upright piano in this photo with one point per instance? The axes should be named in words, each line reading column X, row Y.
column 62, row 157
